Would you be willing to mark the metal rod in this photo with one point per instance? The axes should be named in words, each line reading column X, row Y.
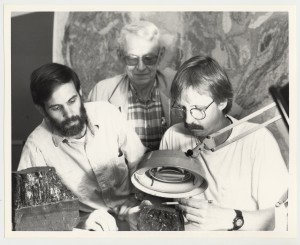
column 254, row 114
column 259, row 126
column 170, row 203
column 176, row 203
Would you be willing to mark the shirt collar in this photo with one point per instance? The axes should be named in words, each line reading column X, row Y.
column 152, row 93
column 58, row 138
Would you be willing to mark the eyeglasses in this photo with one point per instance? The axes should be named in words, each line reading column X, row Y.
column 197, row 113
column 148, row 60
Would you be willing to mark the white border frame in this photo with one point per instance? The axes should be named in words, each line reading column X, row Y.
column 178, row 235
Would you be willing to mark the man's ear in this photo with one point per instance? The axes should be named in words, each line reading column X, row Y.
column 80, row 92
column 41, row 110
column 120, row 53
column 222, row 105
column 162, row 53
column 121, row 56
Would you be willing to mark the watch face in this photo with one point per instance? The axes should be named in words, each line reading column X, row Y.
column 239, row 222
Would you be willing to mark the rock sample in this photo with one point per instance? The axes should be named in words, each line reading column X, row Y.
column 160, row 218
column 41, row 202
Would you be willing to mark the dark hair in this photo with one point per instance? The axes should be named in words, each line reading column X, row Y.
column 47, row 77
column 206, row 76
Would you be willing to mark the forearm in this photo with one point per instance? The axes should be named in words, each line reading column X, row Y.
column 209, row 216
column 261, row 220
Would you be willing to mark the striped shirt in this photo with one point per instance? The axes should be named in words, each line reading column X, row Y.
column 146, row 117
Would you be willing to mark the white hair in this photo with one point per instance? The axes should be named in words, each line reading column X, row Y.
column 144, row 29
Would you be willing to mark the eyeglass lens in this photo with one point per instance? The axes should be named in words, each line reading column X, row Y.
column 196, row 113
column 132, row 60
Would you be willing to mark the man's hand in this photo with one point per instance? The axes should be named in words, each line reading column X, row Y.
column 123, row 210
column 132, row 214
column 204, row 215
column 99, row 220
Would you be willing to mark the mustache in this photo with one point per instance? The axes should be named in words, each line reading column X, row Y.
column 193, row 126
column 71, row 119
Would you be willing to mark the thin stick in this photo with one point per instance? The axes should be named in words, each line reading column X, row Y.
column 254, row 114
column 177, row 203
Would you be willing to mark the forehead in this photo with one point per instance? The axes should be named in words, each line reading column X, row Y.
column 140, row 46
column 62, row 93
column 191, row 97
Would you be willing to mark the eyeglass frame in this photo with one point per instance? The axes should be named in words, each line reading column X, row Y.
column 202, row 110
column 142, row 58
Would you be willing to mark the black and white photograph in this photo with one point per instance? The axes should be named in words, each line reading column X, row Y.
column 159, row 121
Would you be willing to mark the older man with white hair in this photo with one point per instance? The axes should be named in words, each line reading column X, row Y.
column 142, row 93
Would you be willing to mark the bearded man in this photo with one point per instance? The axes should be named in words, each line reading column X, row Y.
column 90, row 145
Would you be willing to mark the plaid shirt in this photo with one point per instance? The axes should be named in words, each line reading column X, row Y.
column 146, row 117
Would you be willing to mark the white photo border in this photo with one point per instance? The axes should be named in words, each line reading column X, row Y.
column 141, row 236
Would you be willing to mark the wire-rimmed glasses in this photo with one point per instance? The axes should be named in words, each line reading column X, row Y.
column 197, row 113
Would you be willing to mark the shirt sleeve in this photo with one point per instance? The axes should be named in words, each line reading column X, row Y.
column 165, row 140
column 175, row 139
column 101, row 91
column 92, row 96
column 129, row 142
column 31, row 156
column 270, row 174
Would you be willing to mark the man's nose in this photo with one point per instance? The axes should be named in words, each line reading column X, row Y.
column 141, row 66
column 67, row 112
column 188, row 117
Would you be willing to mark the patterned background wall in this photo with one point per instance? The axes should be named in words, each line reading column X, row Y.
column 251, row 46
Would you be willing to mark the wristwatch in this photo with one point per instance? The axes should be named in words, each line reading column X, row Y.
column 238, row 221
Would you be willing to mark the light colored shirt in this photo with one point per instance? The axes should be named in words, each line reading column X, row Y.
column 145, row 115
column 95, row 170
column 115, row 91
column 249, row 174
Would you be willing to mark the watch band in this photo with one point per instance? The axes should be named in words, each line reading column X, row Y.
column 238, row 221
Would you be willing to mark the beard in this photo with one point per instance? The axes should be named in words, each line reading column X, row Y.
column 71, row 126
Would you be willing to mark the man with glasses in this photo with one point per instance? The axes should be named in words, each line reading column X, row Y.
column 142, row 93
column 246, row 178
